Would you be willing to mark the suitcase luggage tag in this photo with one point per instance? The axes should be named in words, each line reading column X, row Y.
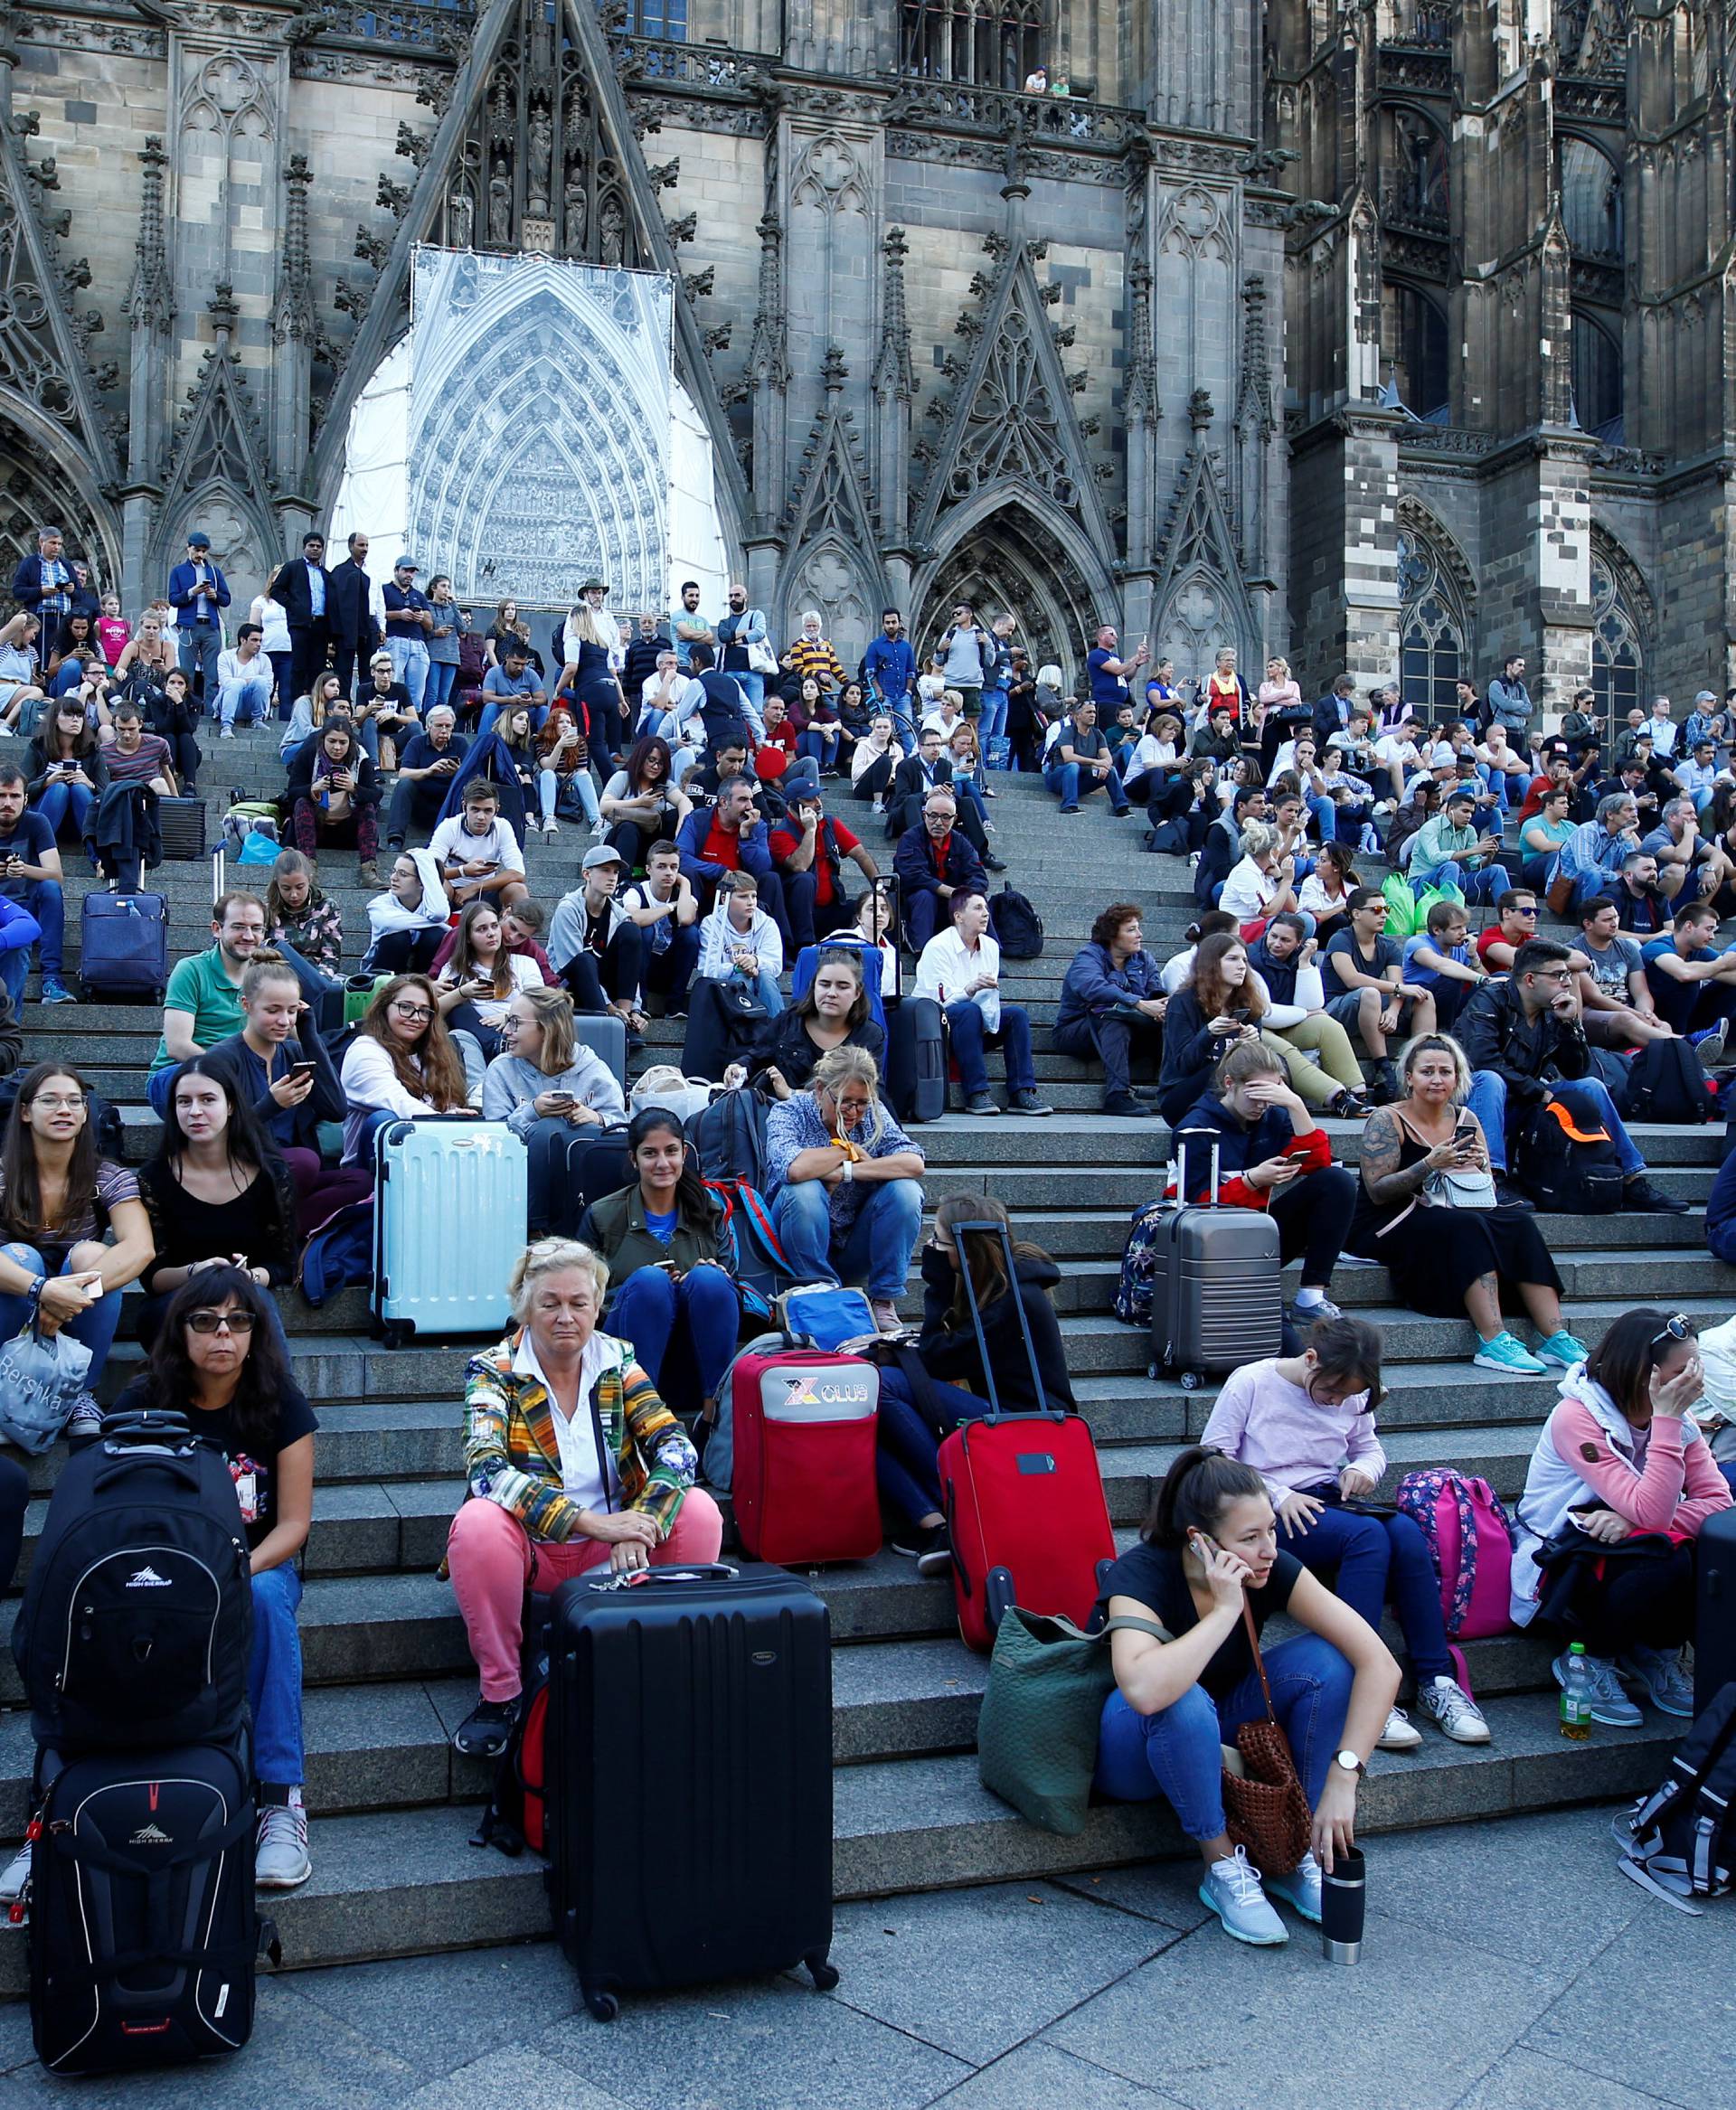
column 634, row 1578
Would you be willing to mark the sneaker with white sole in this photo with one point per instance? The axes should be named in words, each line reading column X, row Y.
column 1505, row 1352
column 280, row 1861
column 1400, row 1733
column 11, row 1884
column 1452, row 1711
column 1563, row 1348
column 1300, row 1889
column 1609, row 1704
column 1668, row 1685
column 1232, row 1889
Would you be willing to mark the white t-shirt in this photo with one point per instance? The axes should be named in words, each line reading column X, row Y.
column 525, row 974
column 498, row 845
column 584, row 1458
column 1392, row 749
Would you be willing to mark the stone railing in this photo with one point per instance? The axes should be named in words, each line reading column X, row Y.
column 689, row 65
column 403, row 26
column 959, row 107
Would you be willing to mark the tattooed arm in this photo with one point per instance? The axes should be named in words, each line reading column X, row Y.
column 1382, row 1142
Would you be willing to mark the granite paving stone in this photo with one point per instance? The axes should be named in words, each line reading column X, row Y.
column 1037, row 2076
column 1524, row 2080
column 516, row 2077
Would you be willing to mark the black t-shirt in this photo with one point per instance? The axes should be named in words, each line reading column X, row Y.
column 254, row 1469
column 1154, row 1575
column 597, row 929
column 29, row 839
column 1387, row 950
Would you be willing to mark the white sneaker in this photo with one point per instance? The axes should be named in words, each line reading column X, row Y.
column 1400, row 1734
column 1453, row 1711
column 549, row 830
column 281, row 1861
column 1301, row 1888
column 12, row 1883
column 1232, row 1889
column 228, row 733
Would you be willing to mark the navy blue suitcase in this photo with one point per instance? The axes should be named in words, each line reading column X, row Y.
column 1714, row 1640
column 689, row 1777
column 915, row 1060
column 124, row 947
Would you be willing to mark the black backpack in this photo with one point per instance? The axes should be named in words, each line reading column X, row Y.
column 729, row 1136
column 1676, row 1840
column 1666, row 1083
column 1017, row 927
column 1568, row 1162
column 137, row 1619
column 517, row 1815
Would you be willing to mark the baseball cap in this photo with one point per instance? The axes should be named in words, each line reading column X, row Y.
column 601, row 854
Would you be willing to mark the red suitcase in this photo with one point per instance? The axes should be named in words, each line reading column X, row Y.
column 804, row 1485
column 1025, row 1506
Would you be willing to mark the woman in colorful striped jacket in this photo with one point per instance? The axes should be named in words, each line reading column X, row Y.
column 572, row 1460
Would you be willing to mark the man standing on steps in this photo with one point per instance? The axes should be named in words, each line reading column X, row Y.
column 199, row 593
column 1112, row 1002
column 356, row 624
column 300, row 590
column 932, row 864
column 204, row 1002
column 1525, row 1043
column 889, row 665
column 30, row 875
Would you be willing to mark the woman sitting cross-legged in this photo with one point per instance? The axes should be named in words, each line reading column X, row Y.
column 1620, row 1467
column 919, row 1406
column 58, row 1202
column 832, row 1012
column 1306, row 1422
column 219, row 1360
column 669, row 1253
column 961, row 969
column 1448, row 1260
column 572, row 1461
column 846, row 1182
column 402, row 1062
column 1208, row 1555
column 218, row 1195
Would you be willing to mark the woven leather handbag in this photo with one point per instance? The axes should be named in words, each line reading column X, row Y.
column 1265, row 1809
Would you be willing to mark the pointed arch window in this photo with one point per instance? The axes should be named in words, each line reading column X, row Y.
column 1434, row 632
column 1618, row 654
column 989, row 44
column 658, row 18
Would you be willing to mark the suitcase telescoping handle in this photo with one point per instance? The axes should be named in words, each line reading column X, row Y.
column 639, row 1578
column 999, row 1230
column 1182, row 1136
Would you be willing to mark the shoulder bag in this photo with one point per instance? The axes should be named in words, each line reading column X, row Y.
column 1263, row 1803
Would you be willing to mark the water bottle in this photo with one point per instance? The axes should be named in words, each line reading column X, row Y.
column 1576, row 1696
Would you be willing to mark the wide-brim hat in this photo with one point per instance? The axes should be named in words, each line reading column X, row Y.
column 594, row 585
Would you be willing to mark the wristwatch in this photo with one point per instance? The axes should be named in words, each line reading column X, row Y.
column 1349, row 1761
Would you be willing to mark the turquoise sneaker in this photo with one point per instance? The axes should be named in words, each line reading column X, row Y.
column 1504, row 1352
column 1562, row 1348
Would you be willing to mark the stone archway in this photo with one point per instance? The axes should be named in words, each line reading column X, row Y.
column 1012, row 560
column 36, row 490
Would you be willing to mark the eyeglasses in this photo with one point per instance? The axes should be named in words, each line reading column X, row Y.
column 209, row 1322
column 52, row 1104
column 1678, row 1326
column 414, row 1011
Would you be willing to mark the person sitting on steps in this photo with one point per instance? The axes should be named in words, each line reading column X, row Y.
column 961, row 970
column 833, row 1011
column 1620, row 1460
column 1366, row 991
column 1113, row 1005
column 573, row 1462
column 1208, row 1563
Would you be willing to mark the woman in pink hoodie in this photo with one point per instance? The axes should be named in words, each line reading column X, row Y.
column 1619, row 1460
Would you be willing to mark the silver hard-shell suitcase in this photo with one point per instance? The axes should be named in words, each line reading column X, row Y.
column 1216, row 1299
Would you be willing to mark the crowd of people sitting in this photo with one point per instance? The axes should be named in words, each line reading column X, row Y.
column 717, row 886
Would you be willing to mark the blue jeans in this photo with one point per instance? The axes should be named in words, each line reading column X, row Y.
column 1176, row 1752
column 442, row 679
column 561, row 794
column 409, row 666
column 1325, row 818
column 1374, row 1556
column 1488, row 1100
column 994, row 718
column 57, row 800
column 683, row 1332
column 46, row 901
column 971, row 1038
column 908, row 1445
column 274, row 1678
column 94, row 1326
column 245, row 700
column 876, row 1250
column 819, row 743
column 753, row 687
column 1065, row 779
column 1444, row 874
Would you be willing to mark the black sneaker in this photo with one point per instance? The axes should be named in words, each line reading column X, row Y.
column 1639, row 1194
column 1128, row 1107
column 487, row 1729
column 934, row 1555
column 980, row 1102
column 1508, row 1196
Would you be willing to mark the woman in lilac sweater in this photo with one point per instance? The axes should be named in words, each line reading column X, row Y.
column 1305, row 1424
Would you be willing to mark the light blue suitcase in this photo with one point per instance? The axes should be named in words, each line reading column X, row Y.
column 450, row 1208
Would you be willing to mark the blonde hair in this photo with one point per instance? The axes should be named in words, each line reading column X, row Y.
column 553, row 1009
column 1049, row 675
column 553, row 1256
column 1438, row 1044
column 953, row 697
column 847, row 1065
column 1257, row 839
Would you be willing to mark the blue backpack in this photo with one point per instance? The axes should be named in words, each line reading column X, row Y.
column 339, row 1252
column 729, row 1138
column 1140, row 1264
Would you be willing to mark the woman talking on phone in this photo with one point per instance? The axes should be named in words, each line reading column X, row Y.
column 1425, row 1210
column 1207, row 1568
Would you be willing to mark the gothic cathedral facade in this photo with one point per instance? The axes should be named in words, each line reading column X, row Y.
column 1388, row 335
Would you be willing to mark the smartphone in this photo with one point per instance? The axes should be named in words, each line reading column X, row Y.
column 300, row 1070
column 561, row 1098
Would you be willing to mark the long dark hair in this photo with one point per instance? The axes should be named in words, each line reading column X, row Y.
column 837, row 955
column 693, row 1203
column 248, row 1146
column 464, row 962
column 1196, row 1491
column 440, row 1081
column 85, row 742
column 1205, row 978
column 639, row 754
column 18, row 1170
column 264, row 1375
column 1624, row 1359
column 980, row 1251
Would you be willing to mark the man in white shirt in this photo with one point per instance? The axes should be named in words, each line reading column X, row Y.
column 961, row 970
column 665, row 908
column 477, row 852
column 1398, row 754
column 1662, row 728
column 243, row 681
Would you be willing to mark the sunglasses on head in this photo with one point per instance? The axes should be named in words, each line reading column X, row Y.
column 1678, row 1326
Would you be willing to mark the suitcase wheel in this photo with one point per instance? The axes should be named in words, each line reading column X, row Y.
column 397, row 1334
column 603, row 2005
column 825, row 1974
column 1192, row 1379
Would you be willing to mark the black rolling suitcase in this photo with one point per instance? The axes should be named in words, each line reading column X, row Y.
column 143, row 1931
column 916, row 1059
column 1714, row 1640
column 689, row 1773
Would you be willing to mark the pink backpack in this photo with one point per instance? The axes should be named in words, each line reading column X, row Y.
column 1471, row 1540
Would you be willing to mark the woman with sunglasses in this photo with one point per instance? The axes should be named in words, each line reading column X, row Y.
column 1620, row 1482
column 218, row 1359
column 1305, row 1424
column 402, row 1062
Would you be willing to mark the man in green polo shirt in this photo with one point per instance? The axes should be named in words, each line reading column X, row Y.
column 204, row 1004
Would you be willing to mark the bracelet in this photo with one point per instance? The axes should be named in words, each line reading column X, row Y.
column 34, row 1293
column 849, row 1171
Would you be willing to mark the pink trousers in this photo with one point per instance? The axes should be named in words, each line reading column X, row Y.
column 492, row 1562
